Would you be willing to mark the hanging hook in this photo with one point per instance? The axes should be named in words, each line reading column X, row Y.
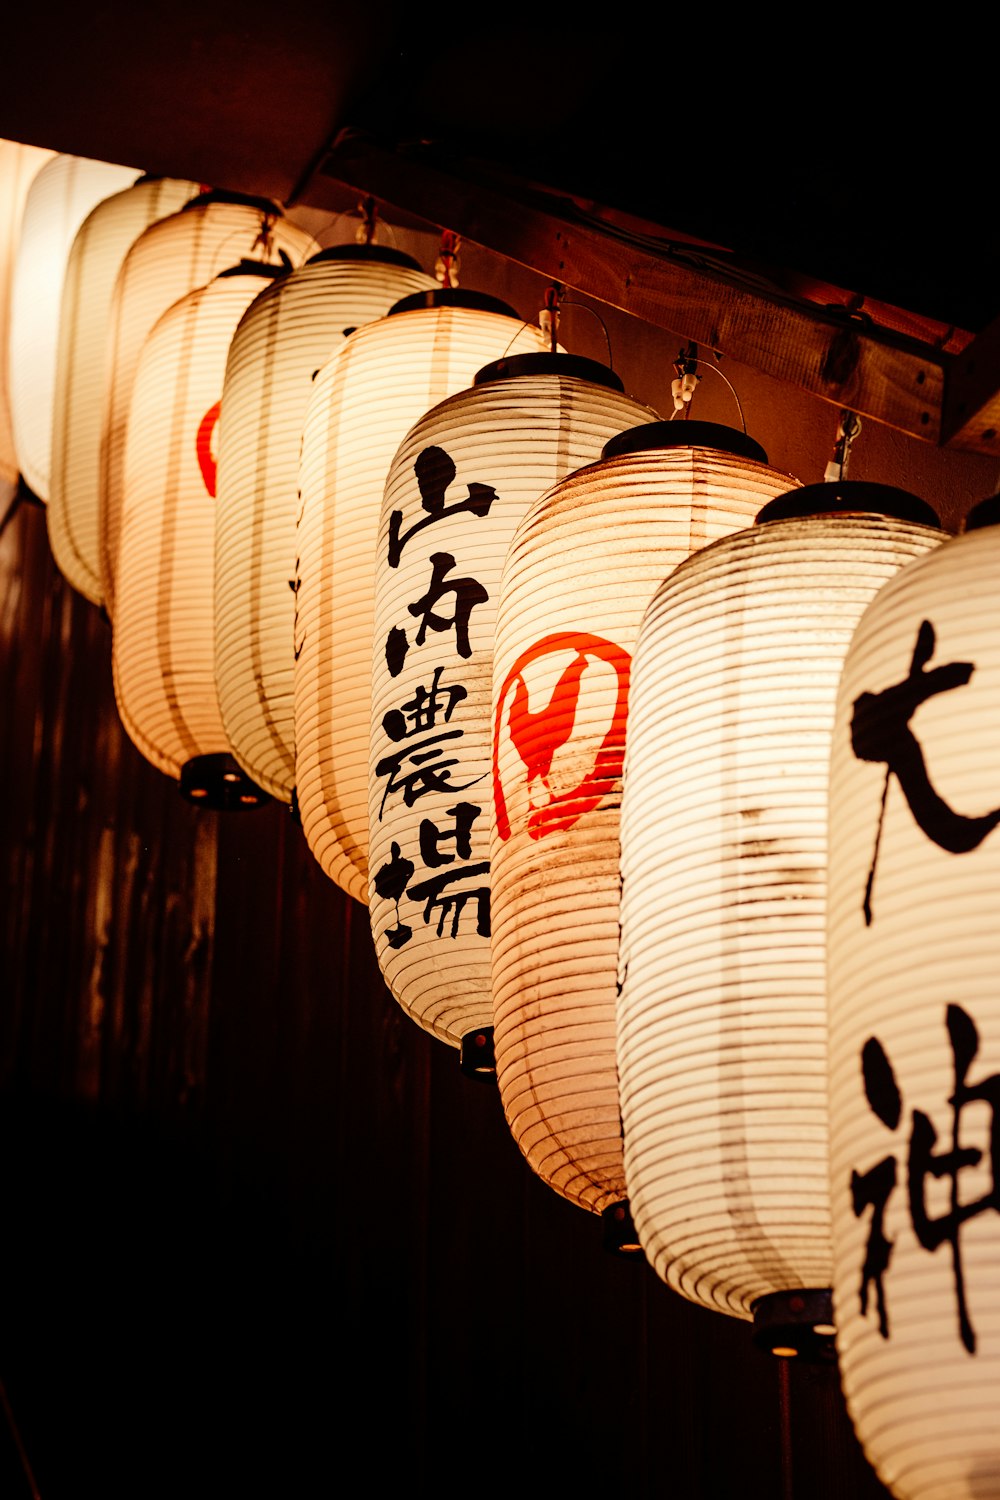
column 847, row 430
column 369, row 215
column 446, row 265
column 686, row 378
column 548, row 318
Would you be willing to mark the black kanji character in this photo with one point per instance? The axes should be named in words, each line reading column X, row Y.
column 451, row 903
column 435, row 471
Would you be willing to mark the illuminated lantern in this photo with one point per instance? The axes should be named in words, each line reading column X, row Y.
column 722, row 1011
column 162, row 640
column 914, row 1023
column 461, row 481
column 287, row 335
column 19, row 166
column 367, row 397
column 101, row 244
column 580, row 572
column 167, row 261
column 61, row 196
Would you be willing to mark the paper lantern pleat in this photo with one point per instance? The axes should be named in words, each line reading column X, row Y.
column 722, row 1016
column 286, row 337
column 163, row 630
column 579, row 574
column 19, row 165
column 366, row 399
column 61, row 196
column 101, row 244
column 914, row 1025
column 481, row 458
column 167, row 261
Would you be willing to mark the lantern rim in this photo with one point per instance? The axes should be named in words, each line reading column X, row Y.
column 444, row 296
column 219, row 782
column 476, row 1055
column 984, row 513
column 225, row 195
column 384, row 254
column 516, row 366
column 797, row 1322
column 848, row 497
column 686, row 434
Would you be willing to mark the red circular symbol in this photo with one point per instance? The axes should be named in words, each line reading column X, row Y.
column 204, row 444
column 537, row 735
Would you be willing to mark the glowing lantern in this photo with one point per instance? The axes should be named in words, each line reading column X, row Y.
column 722, row 1012
column 290, row 331
column 19, row 166
column 162, row 645
column 101, row 244
column 461, row 481
column 581, row 569
column 60, row 197
column 367, row 397
column 170, row 259
column 914, row 1023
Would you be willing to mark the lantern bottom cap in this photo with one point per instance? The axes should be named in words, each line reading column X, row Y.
column 620, row 1237
column 476, row 1056
column 796, row 1324
column 217, row 781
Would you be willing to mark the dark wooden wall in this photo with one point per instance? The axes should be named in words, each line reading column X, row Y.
column 260, row 1236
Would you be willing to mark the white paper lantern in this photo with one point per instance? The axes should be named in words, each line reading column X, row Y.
column 914, row 1021
column 580, row 572
column 460, row 482
column 19, row 165
column 167, row 261
column 287, row 335
column 722, row 1012
column 162, row 642
column 367, row 397
column 61, row 196
column 101, row 244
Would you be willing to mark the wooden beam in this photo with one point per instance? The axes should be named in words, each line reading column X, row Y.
column 971, row 414
column 696, row 293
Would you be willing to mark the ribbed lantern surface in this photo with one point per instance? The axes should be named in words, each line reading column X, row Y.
column 368, row 396
column 722, row 1015
column 19, row 165
column 101, row 244
column 461, row 481
column 289, row 333
column 579, row 574
column 167, row 261
column 163, row 657
column 914, row 1020
column 61, row 196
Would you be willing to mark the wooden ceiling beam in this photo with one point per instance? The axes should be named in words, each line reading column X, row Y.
column 971, row 415
column 696, row 293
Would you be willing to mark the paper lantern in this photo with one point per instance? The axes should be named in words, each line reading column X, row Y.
column 366, row 399
column 61, row 196
column 167, row 261
column 460, row 482
column 722, row 1013
column 580, row 572
column 291, row 330
column 914, row 1023
column 19, row 165
column 162, row 639
column 101, row 244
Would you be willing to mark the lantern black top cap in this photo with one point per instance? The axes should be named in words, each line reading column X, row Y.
column 223, row 195
column 848, row 497
column 986, row 513
column 384, row 254
column 513, row 366
column 255, row 268
column 451, row 296
column 684, row 434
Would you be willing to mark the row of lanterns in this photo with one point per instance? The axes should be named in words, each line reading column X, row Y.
column 375, row 547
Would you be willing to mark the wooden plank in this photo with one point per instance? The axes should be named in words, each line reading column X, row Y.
column 696, row 293
column 971, row 415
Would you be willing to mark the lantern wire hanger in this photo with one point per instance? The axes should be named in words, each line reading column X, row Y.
column 685, row 383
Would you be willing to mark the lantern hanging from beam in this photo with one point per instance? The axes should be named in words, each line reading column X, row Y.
column 61, row 196
column 162, row 638
column 383, row 379
column 460, row 482
column 101, row 244
column 914, row 1022
column 580, row 571
column 287, row 335
column 167, row 261
column 19, row 165
column 722, row 1009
